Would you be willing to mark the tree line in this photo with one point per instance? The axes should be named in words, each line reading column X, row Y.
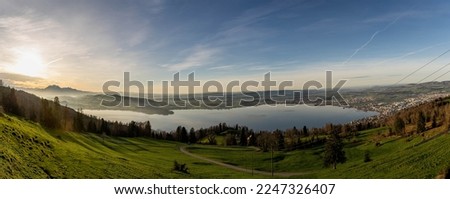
column 51, row 114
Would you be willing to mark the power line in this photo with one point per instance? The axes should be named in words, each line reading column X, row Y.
column 423, row 66
column 434, row 72
column 442, row 75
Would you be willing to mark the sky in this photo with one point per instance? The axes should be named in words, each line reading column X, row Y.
column 82, row 44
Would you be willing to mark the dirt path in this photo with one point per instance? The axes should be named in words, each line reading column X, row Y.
column 280, row 174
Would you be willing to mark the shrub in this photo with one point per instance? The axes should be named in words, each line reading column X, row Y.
column 367, row 157
column 180, row 167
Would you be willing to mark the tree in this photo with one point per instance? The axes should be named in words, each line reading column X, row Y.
column 91, row 126
column 47, row 118
column 305, row 131
column 192, row 137
column 78, row 123
column 230, row 140
column 399, row 125
column 266, row 141
column 104, row 129
column 10, row 103
column 132, row 129
column 421, row 120
column 243, row 138
column 184, row 135
column 251, row 140
column 367, row 156
column 212, row 139
column 56, row 100
column 433, row 122
column 148, row 129
column 280, row 139
column 334, row 151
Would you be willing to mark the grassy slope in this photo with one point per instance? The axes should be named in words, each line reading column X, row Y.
column 29, row 151
column 395, row 158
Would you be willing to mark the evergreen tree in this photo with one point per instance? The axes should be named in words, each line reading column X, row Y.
column 47, row 117
column 421, row 120
column 305, row 131
column 56, row 100
column 10, row 104
column 92, row 127
column 433, row 122
column 132, row 129
column 192, row 137
column 148, row 129
column 78, row 123
column 280, row 139
column 243, row 138
column 178, row 134
column 399, row 125
column 334, row 151
column 104, row 129
column 184, row 135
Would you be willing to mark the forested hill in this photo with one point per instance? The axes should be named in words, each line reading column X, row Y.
column 52, row 115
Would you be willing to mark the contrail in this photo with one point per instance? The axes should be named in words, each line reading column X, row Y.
column 371, row 38
column 53, row 61
column 423, row 66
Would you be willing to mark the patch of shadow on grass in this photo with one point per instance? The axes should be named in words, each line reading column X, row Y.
column 354, row 143
column 230, row 163
column 202, row 163
column 276, row 158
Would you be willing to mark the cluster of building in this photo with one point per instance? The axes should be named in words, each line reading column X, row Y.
column 389, row 108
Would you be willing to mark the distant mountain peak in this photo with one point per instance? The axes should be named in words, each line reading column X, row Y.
column 55, row 87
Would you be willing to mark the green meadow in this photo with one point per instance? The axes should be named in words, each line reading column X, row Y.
column 396, row 157
column 29, row 151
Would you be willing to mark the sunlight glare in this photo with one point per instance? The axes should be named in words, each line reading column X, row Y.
column 28, row 62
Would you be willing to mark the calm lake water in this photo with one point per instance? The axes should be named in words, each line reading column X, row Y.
column 258, row 118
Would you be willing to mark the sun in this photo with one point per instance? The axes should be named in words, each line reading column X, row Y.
column 28, row 62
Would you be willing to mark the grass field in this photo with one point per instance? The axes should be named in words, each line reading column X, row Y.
column 416, row 157
column 29, row 151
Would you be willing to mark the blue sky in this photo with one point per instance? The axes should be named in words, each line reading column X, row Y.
column 85, row 43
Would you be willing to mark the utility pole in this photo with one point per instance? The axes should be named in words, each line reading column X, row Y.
column 253, row 153
column 271, row 161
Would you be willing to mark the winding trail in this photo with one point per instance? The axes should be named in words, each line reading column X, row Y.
column 280, row 174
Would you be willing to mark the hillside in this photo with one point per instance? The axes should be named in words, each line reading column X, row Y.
column 396, row 157
column 29, row 151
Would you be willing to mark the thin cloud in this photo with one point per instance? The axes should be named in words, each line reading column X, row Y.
column 358, row 77
column 236, row 31
column 199, row 56
column 19, row 77
column 18, row 80
column 225, row 67
column 394, row 15
column 409, row 53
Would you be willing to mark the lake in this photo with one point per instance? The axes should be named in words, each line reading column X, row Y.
column 263, row 117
